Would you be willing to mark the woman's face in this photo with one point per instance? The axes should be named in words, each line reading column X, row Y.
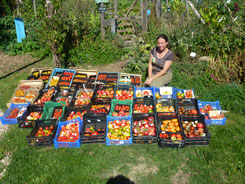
column 162, row 44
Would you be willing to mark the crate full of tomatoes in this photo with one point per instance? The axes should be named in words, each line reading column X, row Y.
column 144, row 128
column 119, row 131
column 195, row 130
column 94, row 128
column 43, row 133
column 170, row 133
column 13, row 112
column 68, row 134
column 28, row 119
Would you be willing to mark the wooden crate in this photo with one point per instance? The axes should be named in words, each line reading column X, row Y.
column 35, row 86
column 88, row 72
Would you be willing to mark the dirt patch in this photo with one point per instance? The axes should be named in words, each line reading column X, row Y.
column 9, row 64
column 180, row 177
column 4, row 163
column 136, row 171
column 118, row 66
column 140, row 170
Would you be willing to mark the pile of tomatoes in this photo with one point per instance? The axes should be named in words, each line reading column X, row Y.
column 193, row 129
column 91, row 131
column 171, row 125
column 69, row 133
column 140, row 108
column 57, row 113
column 74, row 115
column 124, row 94
column 144, row 127
column 45, row 132
column 119, row 130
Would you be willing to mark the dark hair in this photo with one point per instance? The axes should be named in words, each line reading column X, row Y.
column 163, row 36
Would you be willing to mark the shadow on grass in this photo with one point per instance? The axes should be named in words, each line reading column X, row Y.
column 120, row 179
column 19, row 69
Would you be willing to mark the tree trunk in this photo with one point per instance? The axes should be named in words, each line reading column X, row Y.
column 56, row 56
column 54, row 48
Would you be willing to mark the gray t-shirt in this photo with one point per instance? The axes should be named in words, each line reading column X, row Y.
column 158, row 64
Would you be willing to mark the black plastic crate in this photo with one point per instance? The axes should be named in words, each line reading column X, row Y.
column 168, row 142
column 92, row 77
column 149, row 102
column 101, row 76
column 165, row 105
column 33, row 140
column 98, row 122
column 66, row 95
column 164, row 122
column 112, row 75
column 41, row 93
column 199, row 140
column 100, row 101
column 46, row 72
column 143, row 121
column 186, row 102
column 74, row 112
column 24, row 122
column 104, row 88
column 187, row 110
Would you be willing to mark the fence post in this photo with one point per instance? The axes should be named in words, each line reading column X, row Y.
column 102, row 18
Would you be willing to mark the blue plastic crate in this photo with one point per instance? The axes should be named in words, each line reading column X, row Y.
column 76, row 144
column 176, row 90
column 215, row 106
column 157, row 90
column 143, row 88
column 13, row 106
column 61, row 70
column 118, row 142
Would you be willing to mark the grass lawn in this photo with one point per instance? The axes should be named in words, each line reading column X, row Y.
column 222, row 161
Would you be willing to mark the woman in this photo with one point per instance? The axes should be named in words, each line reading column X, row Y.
column 161, row 58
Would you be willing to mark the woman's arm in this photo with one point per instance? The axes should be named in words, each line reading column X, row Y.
column 167, row 65
column 150, row 66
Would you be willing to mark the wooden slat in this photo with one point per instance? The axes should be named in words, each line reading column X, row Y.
column 125, row 24
column 129, row 18
column 125, row 30
column 127, row 36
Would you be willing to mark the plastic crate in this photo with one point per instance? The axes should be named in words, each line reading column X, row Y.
column 144, row 88
column 158, row 91
column 68, row 99
column 23, row 122
column 185, row 105
column 97, row 88
column 174, row 116
column 118, row 142
column 165, row 105
column 119, row 102
column 127, row 88
column 4, row 119
column 176, row 90
column 32, row 140
column 42, row 92
column 215, row 106
column 97, row 121
column 82, row 110
column 196, row 140
column 168, row 143
column 59, row 72
column 143, row 101
column 49, row 108
column 75, row 144
column 143, row 138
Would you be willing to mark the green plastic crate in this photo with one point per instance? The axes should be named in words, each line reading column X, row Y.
column 124, row 102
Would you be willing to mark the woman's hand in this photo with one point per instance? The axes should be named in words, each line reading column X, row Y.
column 148, row 81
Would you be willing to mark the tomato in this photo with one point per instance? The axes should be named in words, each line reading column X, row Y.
column 200, row 125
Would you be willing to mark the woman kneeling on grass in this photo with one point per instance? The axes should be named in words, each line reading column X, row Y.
column 161, row 58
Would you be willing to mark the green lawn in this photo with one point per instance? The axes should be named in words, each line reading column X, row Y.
column 222, row 161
